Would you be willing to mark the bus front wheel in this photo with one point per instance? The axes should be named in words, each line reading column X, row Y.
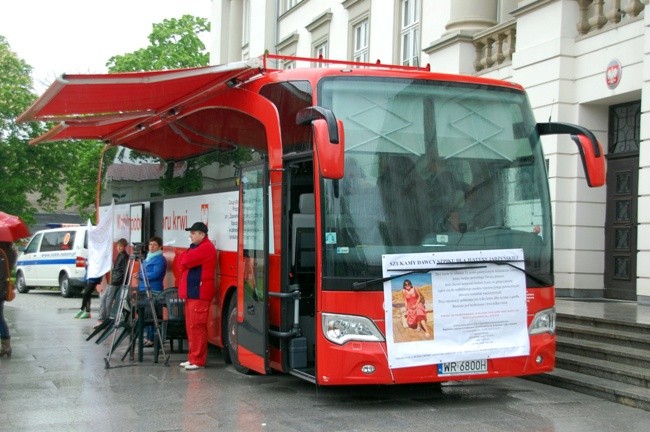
column 231, row 342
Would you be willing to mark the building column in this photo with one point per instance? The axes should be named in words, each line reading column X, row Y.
column 235, row 30
column 472, row 16
column 226, row 32
column 643, row 212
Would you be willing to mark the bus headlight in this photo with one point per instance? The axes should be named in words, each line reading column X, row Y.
column 344, row 328
column 543, row 322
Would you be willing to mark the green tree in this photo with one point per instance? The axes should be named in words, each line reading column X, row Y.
column 174, row 44
column 81, row 181
column 24, row 169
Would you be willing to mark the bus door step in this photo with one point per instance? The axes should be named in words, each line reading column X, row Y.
column 298, row 353
column 307, row 374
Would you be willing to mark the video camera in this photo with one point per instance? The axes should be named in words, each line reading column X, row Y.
column 138, row 249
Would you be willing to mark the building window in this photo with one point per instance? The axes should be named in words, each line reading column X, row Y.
column 361, row 42
column 292, row 3
column 410, row 33
column 321, row 50
column 288, row 47
column 320, row 31
column 624, row 128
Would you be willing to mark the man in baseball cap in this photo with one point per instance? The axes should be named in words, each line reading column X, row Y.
column 198, row 226
column 197, row 267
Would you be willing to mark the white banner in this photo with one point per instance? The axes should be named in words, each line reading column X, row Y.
column 455, row 306
column 100, row 245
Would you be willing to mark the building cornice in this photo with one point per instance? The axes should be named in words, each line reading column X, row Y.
column 461, row 36
column 350, row 3
column 528, row 6
column 285, row 43
column 321, row 20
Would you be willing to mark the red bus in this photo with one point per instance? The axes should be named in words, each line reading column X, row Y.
column 393, row 227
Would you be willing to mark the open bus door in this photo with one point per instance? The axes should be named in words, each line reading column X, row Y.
column 250, row 328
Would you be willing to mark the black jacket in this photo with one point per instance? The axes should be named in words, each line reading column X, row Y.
column 119, row 268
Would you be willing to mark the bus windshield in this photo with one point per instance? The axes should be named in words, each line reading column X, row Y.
column 433, row 166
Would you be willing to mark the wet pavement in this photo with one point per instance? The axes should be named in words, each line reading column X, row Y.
column 57, row 381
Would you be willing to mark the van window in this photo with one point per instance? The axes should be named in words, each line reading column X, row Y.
column 57, row 241
column 32, row 247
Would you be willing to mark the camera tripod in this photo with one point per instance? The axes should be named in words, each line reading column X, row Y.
column 125, row 318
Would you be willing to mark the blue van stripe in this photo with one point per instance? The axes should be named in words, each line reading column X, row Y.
column 47, row 261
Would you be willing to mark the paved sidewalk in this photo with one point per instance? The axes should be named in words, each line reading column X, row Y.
column 57, row 381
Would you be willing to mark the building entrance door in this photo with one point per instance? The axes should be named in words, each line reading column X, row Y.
column 622, row 196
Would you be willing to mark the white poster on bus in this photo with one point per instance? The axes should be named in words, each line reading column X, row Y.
column 444, row 308
column 122, row 222
column 136, row 223
column 219, row 211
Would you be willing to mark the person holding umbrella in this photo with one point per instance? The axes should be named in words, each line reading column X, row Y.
column 11, row 229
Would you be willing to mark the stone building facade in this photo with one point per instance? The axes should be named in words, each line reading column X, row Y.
column 581, row 61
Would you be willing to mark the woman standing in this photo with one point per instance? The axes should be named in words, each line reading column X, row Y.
column 91, row 285
column 154, row 268
column 7, row 261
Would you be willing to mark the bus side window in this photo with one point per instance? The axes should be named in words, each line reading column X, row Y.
column 305, row 250
column 305, row 218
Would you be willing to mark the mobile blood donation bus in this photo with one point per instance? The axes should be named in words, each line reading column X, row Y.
column 393, row 227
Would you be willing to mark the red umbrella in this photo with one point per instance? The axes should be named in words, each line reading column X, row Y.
column 12, row 228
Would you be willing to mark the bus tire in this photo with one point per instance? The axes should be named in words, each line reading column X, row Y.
column 231, row 340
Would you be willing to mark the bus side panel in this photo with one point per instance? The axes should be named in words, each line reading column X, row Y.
column 253, row 360
column 226, row 282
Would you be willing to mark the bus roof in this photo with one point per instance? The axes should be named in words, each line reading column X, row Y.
column 140, row 110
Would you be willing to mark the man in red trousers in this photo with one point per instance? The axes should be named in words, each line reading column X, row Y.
column 197, row 267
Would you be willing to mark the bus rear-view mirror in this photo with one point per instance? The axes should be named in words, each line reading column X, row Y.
column 328, row 139
column 591, row 151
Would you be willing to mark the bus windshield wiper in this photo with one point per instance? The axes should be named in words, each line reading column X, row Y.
column 360, row 285
column 462, row 266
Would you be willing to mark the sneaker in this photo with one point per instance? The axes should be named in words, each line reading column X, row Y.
column 193, row 367
column 84, row 315
column 79, row 312
column 185, row 364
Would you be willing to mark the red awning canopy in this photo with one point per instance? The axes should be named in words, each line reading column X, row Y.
column 165, row 113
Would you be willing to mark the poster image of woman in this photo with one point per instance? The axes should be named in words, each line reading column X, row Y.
column 411, row 319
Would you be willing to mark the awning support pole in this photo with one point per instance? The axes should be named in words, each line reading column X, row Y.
column 98, row 191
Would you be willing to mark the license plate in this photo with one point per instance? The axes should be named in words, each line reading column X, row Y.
column 467, row 367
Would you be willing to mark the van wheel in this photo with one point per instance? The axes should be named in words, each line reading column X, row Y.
column 64, row 286
column 21, row 285
column 231, row 341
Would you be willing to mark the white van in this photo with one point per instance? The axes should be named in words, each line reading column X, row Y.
column 54, row 257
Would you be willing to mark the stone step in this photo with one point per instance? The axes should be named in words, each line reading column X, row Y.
column 620, row 337
column 604, row 323
column 603, row 351
column 626, row 394
column 637, row 375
